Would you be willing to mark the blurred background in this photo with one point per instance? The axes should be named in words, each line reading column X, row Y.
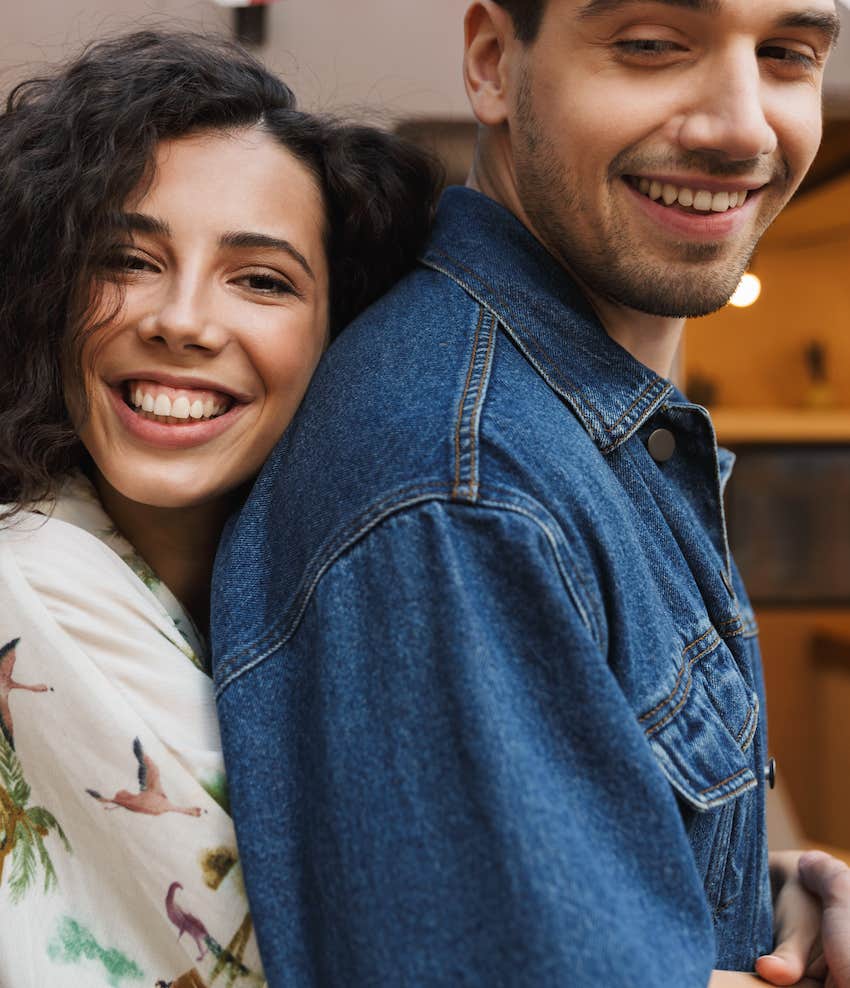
column 775, row 372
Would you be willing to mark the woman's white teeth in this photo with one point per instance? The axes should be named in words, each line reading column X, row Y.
column 700, row 199
column 181, row 407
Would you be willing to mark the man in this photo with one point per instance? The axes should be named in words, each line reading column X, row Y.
column 489, row 683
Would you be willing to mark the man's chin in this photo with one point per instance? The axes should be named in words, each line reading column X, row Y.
column 670, row 307
column 668, row 294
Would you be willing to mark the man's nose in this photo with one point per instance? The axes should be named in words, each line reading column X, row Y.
column 182, row 321
column 727, row 114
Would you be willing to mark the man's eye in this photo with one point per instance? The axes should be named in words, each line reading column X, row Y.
column 791, row 57
column 647, row 46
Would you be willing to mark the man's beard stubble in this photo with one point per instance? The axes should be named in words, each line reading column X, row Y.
column 612, row 267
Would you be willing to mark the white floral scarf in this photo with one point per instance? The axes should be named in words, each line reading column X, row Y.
column 118, row 858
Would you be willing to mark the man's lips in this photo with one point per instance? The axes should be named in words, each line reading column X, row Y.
column 680, row 217
column 694, row 193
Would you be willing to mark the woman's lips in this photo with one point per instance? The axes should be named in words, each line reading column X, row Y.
column 177, row 403
column 174, row 433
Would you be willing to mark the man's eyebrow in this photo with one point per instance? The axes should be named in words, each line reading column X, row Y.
column 598, row 8
column 826, row 23
column 244, row 239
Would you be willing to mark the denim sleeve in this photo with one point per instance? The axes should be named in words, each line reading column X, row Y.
column 468, row 797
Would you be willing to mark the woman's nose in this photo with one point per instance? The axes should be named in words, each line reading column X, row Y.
column 183, row 323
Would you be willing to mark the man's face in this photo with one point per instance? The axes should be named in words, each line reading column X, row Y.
column 654, row 141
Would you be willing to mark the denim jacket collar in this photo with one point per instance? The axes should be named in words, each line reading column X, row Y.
column 484, row 248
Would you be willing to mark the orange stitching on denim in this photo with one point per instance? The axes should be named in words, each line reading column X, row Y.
column 682, row 670
column 462, row 403
column 723, row 782
column 745, row 726
column 473, row 436
column 749, row 784
column 692, row 662
column 752, row 732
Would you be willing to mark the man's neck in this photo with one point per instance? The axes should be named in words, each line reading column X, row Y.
column 653, row 340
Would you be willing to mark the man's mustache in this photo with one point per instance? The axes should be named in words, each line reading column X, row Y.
column 761, row 170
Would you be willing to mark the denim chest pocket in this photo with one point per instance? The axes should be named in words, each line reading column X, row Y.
column 701, row 733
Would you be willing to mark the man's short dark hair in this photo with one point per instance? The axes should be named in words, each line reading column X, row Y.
column 526, row 15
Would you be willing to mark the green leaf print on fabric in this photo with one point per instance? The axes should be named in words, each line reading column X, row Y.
column 23, row 829
column 215, row 786
column 73, row 943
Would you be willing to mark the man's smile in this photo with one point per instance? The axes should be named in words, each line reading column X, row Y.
column 689, row 197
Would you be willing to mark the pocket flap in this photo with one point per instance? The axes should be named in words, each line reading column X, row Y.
column 703, row 760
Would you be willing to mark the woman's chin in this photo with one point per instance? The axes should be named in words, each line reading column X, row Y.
column 166, row 492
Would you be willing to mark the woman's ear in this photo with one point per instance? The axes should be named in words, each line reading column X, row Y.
column 490, row 44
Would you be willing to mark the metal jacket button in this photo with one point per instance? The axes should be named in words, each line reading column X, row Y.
column 661, row 445
column 770, row 773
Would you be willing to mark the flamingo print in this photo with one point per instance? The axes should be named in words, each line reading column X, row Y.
column 150, row 798
column 7, row 684
column 186, row 922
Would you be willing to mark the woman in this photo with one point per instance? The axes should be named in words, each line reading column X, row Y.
column 178, row 245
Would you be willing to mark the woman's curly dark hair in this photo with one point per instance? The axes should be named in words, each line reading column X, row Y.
column 76, row 144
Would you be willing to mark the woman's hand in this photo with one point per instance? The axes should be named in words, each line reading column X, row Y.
column 828, row 879
column 811, row 900
column 796, row 922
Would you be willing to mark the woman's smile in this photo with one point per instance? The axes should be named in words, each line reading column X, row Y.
column 170, row 431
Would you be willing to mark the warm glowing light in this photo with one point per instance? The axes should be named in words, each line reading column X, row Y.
column 747, row 292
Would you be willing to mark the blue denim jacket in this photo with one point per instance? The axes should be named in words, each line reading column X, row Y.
column 488, row 681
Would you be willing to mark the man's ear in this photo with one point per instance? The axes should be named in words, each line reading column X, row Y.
column 490, row 43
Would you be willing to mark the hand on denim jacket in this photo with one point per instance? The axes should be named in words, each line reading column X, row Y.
column 811, row 893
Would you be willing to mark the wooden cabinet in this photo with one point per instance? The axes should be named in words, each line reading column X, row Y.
column 788, row 506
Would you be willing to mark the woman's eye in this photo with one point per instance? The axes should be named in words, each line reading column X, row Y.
column 129, row 261
column 267, row 284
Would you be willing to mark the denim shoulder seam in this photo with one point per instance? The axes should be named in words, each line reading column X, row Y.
column 406, row 500
column 467, row 424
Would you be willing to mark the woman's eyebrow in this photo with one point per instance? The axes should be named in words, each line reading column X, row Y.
column 142, row 223
column 240, row 239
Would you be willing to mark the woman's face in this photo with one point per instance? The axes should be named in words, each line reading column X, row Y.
column 224, row 318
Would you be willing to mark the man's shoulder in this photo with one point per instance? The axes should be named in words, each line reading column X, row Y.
column 425, row 389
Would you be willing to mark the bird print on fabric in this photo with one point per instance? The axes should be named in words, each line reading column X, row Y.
column 228, row 960
column 150, row 798
column 7, row 684
column 186, row 922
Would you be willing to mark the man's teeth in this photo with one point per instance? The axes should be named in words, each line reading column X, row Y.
column 699, row 199
column 181, row 407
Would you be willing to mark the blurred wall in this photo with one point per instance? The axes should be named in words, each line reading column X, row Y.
column 382, row 59
column 755, row 356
